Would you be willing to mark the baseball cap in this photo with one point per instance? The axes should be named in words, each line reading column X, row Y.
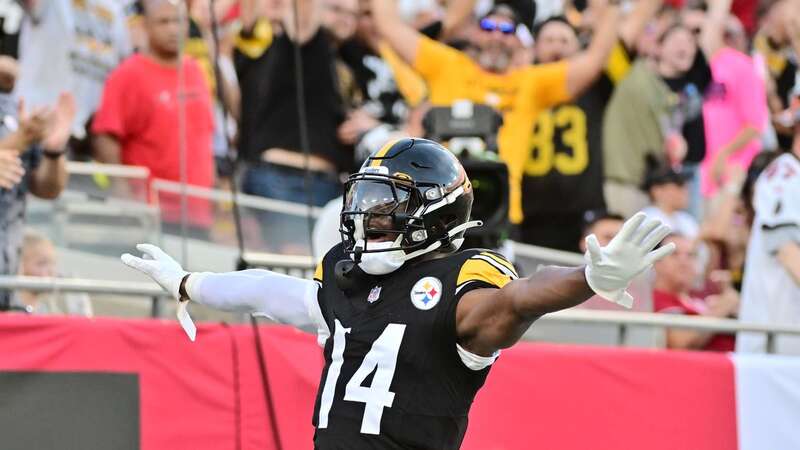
column 665, row 175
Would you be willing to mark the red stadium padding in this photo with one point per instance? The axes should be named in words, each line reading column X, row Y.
column 208, row 394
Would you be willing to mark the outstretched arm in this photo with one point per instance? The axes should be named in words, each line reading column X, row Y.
column 282, row 298
column 491, row 319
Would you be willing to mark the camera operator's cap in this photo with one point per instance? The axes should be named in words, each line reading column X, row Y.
column 665, row 175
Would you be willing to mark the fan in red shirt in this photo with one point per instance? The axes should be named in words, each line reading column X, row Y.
column 675, row 275
column 137, row 122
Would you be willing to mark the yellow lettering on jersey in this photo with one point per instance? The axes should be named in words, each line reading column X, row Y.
column 571, row 120
column 480, row 270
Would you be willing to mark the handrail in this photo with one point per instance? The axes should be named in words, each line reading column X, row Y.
column 547, row 254
column 113, row 170
column 634, row 318
column 249, row 201
column 273, row 260
column 624, row 318
column 47, row 284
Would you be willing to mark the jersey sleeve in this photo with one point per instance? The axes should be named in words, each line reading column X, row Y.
column 434, row 57
column 778, row 203
column 111, row 116
column 253, row 44
column 550, row 82
column 318, row 273
column 484, row 270
column 619, row 63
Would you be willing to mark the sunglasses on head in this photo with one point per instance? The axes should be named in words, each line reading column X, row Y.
column 493, row 25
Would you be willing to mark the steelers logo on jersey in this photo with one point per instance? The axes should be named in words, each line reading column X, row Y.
column 426, row 293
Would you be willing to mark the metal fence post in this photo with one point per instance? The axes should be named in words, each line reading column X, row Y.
column 155, row 307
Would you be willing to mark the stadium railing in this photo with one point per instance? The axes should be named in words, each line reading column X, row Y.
column 83, row 201
column 622, row 320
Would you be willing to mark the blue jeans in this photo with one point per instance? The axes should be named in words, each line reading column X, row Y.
column 285, row 233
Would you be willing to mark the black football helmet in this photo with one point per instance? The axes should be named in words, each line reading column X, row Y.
column 412, row 192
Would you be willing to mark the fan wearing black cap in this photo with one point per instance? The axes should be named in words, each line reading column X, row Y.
column 487, row 76
column 669, row 197
column 564, row 158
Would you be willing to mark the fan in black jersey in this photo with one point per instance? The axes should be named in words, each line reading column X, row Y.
column 566, row 154
column 409, row 324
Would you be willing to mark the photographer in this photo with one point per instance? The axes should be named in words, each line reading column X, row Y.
column 484, row 74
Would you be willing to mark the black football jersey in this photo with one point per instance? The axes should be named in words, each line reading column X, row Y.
column 566, row 156
column 393, row 378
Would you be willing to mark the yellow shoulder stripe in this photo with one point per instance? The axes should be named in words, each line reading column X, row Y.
column 500, row 260
column 318, row 272
column 481, row 270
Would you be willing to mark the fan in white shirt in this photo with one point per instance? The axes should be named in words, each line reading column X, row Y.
column 771, row 289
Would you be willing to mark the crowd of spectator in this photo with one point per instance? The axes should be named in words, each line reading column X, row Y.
column 608, row 107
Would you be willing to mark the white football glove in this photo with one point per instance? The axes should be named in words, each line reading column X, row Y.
column 166, row 272
column 610, row 269
column 160, row 267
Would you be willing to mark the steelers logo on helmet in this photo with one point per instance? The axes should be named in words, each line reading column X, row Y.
column 426, row 293
column 409, row 198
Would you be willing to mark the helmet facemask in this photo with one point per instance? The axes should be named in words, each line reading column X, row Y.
column 378, row 217
column 384, row 221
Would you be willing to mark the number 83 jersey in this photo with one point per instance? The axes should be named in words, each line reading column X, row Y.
column 395, row 376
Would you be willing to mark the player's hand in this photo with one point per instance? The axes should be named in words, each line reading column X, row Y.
column 159, row 266
column 610, row 269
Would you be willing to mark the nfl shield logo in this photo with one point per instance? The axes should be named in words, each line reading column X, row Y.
column 374, row 294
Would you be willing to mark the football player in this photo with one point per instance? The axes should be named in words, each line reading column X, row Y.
column 410, row 325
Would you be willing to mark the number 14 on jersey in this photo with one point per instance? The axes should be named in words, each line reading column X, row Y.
column 381, row 359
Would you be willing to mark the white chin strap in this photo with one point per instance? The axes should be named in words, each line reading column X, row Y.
column 457, row 242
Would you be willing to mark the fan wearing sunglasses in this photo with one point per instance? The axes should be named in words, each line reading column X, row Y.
column 485, row 74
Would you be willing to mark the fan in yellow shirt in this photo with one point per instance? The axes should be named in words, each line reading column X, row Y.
column 486, row 75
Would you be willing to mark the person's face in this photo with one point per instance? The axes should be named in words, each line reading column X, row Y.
column 495, row 43
column 604, row 230
column 556, row 41
column 341, row 18
column 39, row 260
column 671, row 195
column 164, row 27
column 678, row 50
column 678, row 270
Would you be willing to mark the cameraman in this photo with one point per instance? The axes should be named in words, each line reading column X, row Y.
column 484, row 74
